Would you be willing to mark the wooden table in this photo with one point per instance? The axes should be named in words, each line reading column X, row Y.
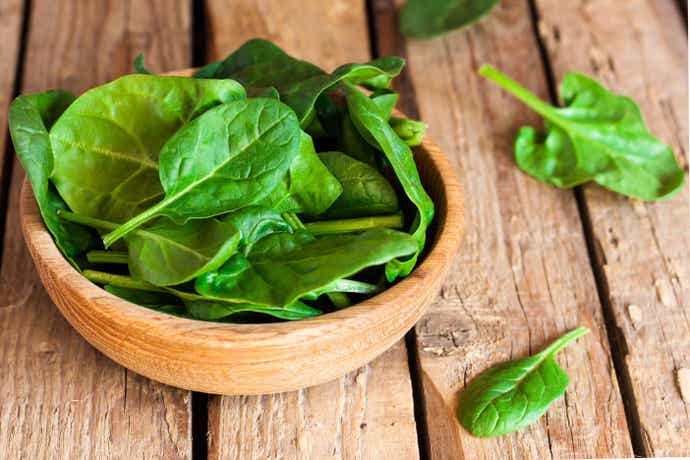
column 535, row 261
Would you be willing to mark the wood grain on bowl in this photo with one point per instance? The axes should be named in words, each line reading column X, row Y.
column 253, row 358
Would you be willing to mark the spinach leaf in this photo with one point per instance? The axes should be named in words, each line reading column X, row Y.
column 106, row 144
column 430, row 18
column 227, row 158
column 255, row 223
column 279, row 274
column 30, row 118
column 353, row 144
column 370, row 121
column 308, row 187
column 166, row 254
column 514, row 394
column 198, row 307
column 598, row 135
column 141, row 297
column 260, row 63
column 386, row 101
column 410, row 131
column 365, row 191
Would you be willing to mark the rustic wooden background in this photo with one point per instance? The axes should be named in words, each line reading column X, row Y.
column 535, row 261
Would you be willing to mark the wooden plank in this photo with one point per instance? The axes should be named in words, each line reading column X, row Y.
column 639, row 48
column 523, row 276
column 58, row 396
column 11, row 13
column 368, row 413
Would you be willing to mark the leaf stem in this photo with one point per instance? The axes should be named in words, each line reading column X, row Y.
column 517, row 90
column 327, row 227
column 134, row 223
column 355, row 287
column 564, row 340
column 120, row 281
column 85, row 220
column 107, row 257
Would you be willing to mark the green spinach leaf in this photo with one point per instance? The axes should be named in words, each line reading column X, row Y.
column 255, row 223
column 280, row 274
column 430, row 18
column 514, row 394
column 140, row 67
column 106, row 144
column 308, row 187
column 365, row 191
column 229, row 157
column 260, row 63
column 166, row 254
column 410, row 131
column 370, row 122
column 598, row 135
column 30, row 118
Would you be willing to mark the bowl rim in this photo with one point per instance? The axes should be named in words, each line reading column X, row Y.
column 205, row 335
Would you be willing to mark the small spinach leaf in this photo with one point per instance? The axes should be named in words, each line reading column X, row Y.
column 598, row 135
column 514, row 394
column 410, row 131
column 430, row 18
column 30, row 118
column 255, row 223
column 369, row 120
column 106, row 144
column 139, row 66
column 227, row 158
column 365, row 191
column 279, row 274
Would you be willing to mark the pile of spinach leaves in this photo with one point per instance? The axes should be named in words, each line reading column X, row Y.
column 260, row 187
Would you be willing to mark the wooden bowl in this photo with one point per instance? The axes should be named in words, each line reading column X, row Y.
column 253, row 358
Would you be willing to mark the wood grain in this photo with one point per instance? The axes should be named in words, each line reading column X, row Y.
column 523, row 276
column 642, row 249
column 369, row 413
column 59, row 397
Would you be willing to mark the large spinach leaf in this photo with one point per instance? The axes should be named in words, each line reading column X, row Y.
column 371, row 123
column 429, row 18
column 259, row 63
column 512, row 395
column 279, row 274
column 308, row 187
column 598, row 135
column 30, row 118
column 227, row 158
column 106, row 144
column 365, row 191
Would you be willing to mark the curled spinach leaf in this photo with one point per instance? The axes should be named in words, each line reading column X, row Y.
column 512, row 395
column 280, row 274
column 30, row 118
column 106, row 144
column 255, row 223
column 371, row 123
column 229, row 157
column 598, row 135
column 410, row 131
column 365, row 191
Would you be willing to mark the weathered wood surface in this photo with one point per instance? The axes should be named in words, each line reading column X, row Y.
column 523, row 276
column 368, row 413
column 59, row 398
column 639, row 48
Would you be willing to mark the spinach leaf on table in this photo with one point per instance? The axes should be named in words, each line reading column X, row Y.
column 280, row 274
column 365, row 191
column 105, row 145
column 369, row 120
column 30, row 118
column 229, row 157
column 308, row 187
column 514, row 394
column 430, row 18
column 260, row 63
column 598, row 135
